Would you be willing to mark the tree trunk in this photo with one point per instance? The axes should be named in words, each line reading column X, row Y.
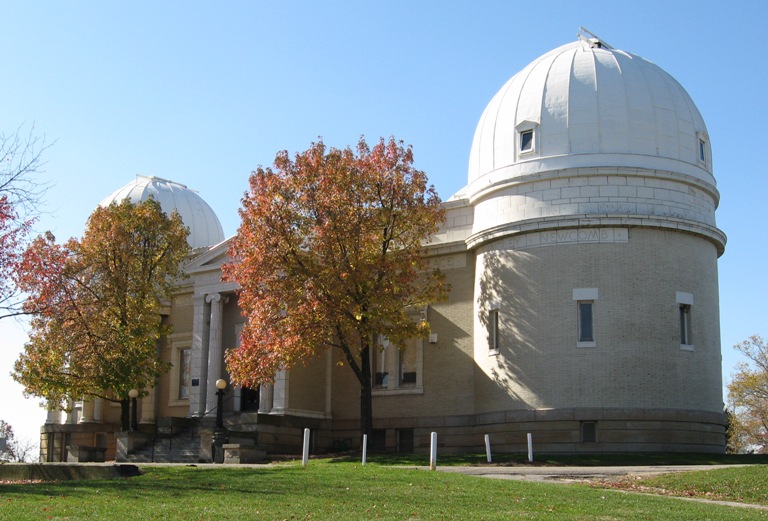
column 125, row 422
column 366, row 395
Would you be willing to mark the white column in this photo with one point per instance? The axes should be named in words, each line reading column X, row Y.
column 53, row 417
column 199, row 361
column 265, row 398
column 215, row 350
column 87, row 413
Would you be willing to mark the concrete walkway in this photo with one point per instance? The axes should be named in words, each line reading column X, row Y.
column 573, row 474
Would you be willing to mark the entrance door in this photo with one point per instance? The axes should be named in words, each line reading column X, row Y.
column 249, row 399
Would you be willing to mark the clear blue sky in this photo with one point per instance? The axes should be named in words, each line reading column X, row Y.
column 203, row 92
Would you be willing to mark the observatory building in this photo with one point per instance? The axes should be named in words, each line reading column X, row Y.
column 582, row 255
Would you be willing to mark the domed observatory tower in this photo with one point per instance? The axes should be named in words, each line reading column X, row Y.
column 596, row 291
column 204, row 226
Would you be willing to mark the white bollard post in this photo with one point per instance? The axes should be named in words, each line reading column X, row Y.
column 365, row 447
column 305, row 451
column 530, row 448
column 488, row 447
column 433, row 452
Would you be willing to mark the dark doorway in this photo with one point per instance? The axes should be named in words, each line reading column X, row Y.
column 249, row 399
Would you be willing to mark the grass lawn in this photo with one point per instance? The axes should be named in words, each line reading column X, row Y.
column 342, row 491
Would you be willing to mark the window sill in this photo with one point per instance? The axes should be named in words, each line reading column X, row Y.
column 586, row 344
column 399, row 391
column 493, row 352
column 687, row 347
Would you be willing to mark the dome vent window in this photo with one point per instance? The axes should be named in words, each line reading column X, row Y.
column 526, row 138
column 526, row 141
column 702, row 150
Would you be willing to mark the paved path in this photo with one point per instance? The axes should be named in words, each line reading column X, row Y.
column 573, row 474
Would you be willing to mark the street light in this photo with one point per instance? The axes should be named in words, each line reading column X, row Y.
column 133, row 394
column 221, row 384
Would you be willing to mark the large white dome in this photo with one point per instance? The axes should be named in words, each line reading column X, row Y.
column 587, row 104
column 204, row 226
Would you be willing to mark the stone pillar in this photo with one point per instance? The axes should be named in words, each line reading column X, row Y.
column 98, row 410
column 199, row 356
column 266, row 392
column 53, row 417
column 71, row 414
column 148, row 408
column 280, row 392
column 215, row 350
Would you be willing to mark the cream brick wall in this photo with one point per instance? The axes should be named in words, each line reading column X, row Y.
column 637, row 361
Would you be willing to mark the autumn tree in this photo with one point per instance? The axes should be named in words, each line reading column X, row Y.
column 748, row 397
column 20, row 201
column 330, row 254
column 97, row 304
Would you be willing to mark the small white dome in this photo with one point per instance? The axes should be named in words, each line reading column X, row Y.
column 204, row 226
column 587, row 104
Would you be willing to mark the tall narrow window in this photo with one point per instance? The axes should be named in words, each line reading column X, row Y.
column 185, row 373
column 702, row 151
column 685, row 325
column 684, row 306
column 379, row 363
column 493, row 331
column 586, row 326
column 408, row 369
column 526, row 140
column 585, row 299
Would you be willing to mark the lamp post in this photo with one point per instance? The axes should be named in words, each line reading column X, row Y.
column 133, row 394
column 219, row 436
column 221, row 385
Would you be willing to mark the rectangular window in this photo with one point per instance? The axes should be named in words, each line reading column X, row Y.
column 589, row 432
column 405, row 441
column 493, row 331
column 702, row 151
column 685, row 325
column 526, row 140
column 586, row 329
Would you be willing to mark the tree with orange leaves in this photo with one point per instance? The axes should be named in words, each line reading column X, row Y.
column 330, row 254
column 96, row 305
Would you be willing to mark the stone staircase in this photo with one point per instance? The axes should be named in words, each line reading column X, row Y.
column 191, row 440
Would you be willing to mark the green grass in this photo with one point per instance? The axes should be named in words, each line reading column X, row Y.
column 337, row 491
column 747, row 484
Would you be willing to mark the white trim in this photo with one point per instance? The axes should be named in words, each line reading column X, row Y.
column 585, row 294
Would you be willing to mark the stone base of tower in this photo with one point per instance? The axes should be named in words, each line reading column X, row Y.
column 572, row 431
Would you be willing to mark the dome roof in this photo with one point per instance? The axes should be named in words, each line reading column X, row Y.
column 586, row 104
column 204, row 226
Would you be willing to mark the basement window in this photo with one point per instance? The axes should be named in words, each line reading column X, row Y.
column 588, row 432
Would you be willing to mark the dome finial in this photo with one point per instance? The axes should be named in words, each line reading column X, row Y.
column 591, row 39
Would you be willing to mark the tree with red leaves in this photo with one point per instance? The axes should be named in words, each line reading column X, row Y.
column 330, row 254
column 20, row 199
